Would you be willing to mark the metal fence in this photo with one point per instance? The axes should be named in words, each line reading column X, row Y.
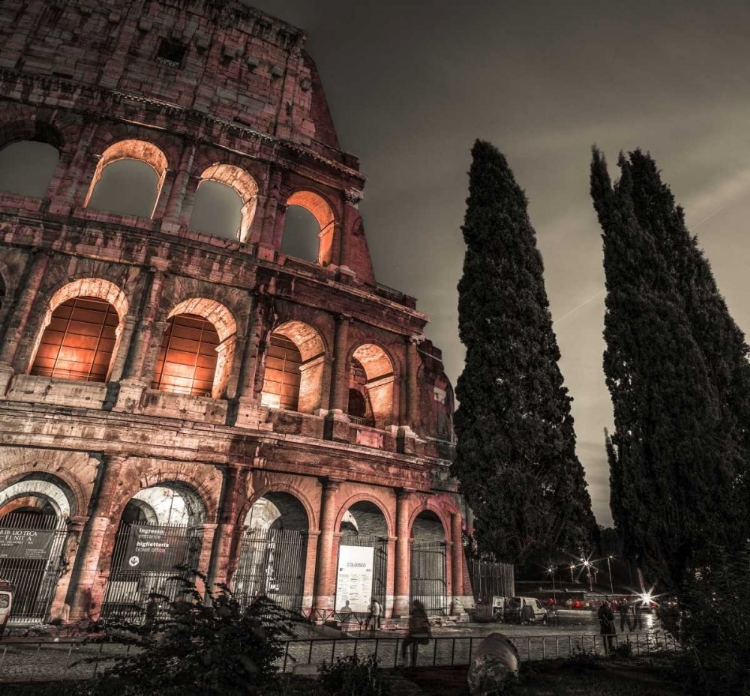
column 31, row 547
column 272, row 563
column 46, row 661
column 490, row 579
column 144, row 563
column 428, row 577
column 459, row 650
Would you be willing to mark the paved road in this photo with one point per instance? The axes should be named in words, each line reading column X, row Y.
column 449, row 644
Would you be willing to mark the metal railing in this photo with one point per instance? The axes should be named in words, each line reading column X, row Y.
column 48, row 661
column 459, row 650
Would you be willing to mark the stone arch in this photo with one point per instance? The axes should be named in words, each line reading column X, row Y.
column 430, row 561
column 243, row 184
column 281, row 487
column 49, row 488
column 194, row 321
column 85, row 288
column 294, row 367
column 435, row 510
column 378, row 387
column 366, row 496
column 322, row 211
column 34, row 130
column 27, row 167
column 140, row 151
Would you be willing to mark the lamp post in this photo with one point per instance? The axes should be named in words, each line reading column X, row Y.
column 609, row 570
column 572, row 568
column 551, row 571
column 587, row 565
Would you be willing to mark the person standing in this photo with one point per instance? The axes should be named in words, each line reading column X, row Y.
column 375, row 611
column 607, row 627
column 638, row 618
column 623, row 608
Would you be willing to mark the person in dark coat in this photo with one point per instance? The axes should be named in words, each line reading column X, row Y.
column 607, row 627
column 419, row 634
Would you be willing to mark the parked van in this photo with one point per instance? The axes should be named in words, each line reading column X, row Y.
column 6, row 602
column 519, row 610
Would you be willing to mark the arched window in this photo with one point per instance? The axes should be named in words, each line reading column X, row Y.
column 308, row 228
column 371, row 376
column 359, row 399
column 225, row 202
column 79, row 341
column 282, row 376
column 128, row 179
column 217, row 211
column 187, row 359
column 293, row 377
column 27, row 167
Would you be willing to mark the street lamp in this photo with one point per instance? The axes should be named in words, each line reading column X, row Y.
column 551, row 571
column 572, row 568
column 609, row 570
column 587, row 565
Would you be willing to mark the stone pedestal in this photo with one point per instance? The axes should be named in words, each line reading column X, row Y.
column 337, row 426
column 129, row 396
column 406, row 440
column 250, row 414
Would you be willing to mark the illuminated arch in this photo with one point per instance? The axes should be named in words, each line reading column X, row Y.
column 56, row 343
column 138, row 150
column 378, row 385
column 320, row 209
column 243, row 185
column 295, row 362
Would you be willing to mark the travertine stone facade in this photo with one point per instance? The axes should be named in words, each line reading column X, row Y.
column 206, row 91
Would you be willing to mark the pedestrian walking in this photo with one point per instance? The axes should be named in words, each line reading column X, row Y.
column 623, row 609
column 607, row 627
column 419, row 634
column 375, row 611
column 638, row 617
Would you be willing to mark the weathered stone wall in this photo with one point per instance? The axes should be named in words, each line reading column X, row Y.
column 89, row 79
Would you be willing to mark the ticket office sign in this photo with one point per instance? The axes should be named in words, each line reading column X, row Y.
column 354, row 580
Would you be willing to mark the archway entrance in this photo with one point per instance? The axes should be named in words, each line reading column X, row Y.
column 428, row 569
column 161, row 528
column 364, row 540
column 272, row 552
column 33, row 530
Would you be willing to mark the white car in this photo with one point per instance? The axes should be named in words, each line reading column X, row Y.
column 521, row 610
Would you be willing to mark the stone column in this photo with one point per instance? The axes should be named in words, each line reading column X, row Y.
column 390, row 576
column 60, row 609
column 249, row 380
column 325, row 585
column 88, row 581
column 338, row 420
column 402, row 571
column 457, row 565
column 406, row 435
column 179, row 187
column 134, row 381
column 233, row 493
column 265, row 245
column 205, row 557
column 18, row 320
column 308, row 592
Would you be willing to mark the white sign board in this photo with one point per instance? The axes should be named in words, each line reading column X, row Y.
column 354, row 582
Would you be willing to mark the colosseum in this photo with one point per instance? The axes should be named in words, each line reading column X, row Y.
column 197, row 365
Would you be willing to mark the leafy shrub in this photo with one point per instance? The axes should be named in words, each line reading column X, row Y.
column 202, row 649
column 623, row 650
column 715, row 626
column 352, row 676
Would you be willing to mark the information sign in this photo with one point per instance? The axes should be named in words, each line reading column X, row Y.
column 31, row 544
column 354, row 582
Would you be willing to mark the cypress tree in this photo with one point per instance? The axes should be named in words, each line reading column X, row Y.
column 720, row 340
column 668, row 481
column 516, row 460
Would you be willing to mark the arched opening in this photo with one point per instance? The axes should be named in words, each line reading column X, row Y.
column 33, row 529
column 128, row 179
column 308, row 228
column 428, row 564
column 225, row 202
column 27, row 168
column 79, row 341
column 197, row 350
column 363, row 558
column 217, row 211
column 371, row 381
column 160, row 532
column 293, row 377
column 272, row 552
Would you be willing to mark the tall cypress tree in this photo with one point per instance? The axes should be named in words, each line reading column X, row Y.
column 516, row 460
column 720, row 340
column 668, row 480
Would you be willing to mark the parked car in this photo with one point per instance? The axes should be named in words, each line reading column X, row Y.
column 6, row 602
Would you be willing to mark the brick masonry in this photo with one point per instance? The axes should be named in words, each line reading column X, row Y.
column 201, row 89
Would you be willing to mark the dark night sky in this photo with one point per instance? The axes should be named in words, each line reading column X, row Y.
column 412, row 84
